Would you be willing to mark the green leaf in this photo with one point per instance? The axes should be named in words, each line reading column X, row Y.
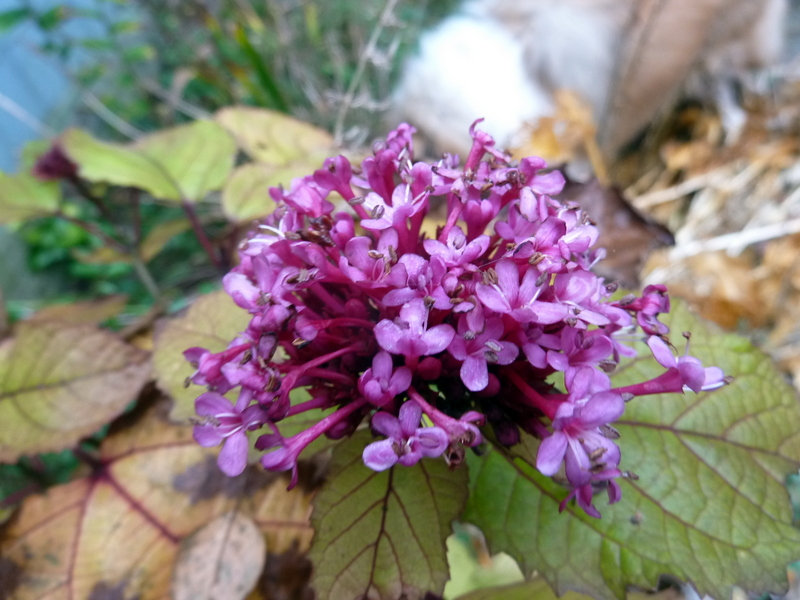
column 60, row 383
column 261, row 69
column 24, row 197
column 536, row 589
column 31, row 152
column 382, row 535
column 472, row 567
column 141, row 53
column 275, row 138
column 158, row 237
column 118, row 165
column 709, row 505
column 12, row 18
column 210, row 323
column 122, row 27
column 97, row 44
column 50, row 19
column 181, row 163
column 198, row 156
column 246, row 194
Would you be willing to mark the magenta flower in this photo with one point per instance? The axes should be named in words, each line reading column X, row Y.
column 691, row 370
column 381, row 383
column 227, row 424
column 477, row 349
column 409, row 335
column 406, row 441
column 357, row 307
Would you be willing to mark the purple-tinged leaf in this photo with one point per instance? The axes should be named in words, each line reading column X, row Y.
column 382, row 535
column 709, row 505
column 60, row 383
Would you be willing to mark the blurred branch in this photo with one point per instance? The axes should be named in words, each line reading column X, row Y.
column 200, row 233
column 174, row 101
column 366, row 56
column 102, row 111
column 23, row 116
column 737, row 239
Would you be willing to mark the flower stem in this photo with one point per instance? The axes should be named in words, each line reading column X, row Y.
column 548, row 407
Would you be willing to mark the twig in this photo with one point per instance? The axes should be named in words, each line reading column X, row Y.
column 144, row 322
column 176, row 103
column 102, row 111
column 200, row 233
column 136, row 216
column 87, row 194
column 92, row 229
column 372, row 43
column 738, row 239
column 23, row 116
column 692, row 184
column 141, row 269
column 146, row 278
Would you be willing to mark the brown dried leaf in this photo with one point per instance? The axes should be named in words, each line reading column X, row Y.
column 79, row 313
column 221, row 561
column 59, row 383
column 719, row 287
column 122, row 528
column 647, row 73
column 561, row 137
column 627, row 235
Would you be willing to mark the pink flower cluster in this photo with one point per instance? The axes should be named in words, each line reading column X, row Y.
column 432, row 337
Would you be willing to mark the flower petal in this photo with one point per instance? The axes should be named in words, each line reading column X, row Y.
column 232, row 460
column 410, row 414
column 438, row 338
column 661, row 352
column 474, row 373
column 387, row 424
column 380, row 456
column 551, row 454
column 432, row 441
column 211, row 403
column 207, row 435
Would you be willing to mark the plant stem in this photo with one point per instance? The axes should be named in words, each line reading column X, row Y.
column 98, row 203
column 188, row 208
column 94, row 230
column 146, row 278
column 138, row 265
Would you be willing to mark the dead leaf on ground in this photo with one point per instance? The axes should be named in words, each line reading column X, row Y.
column 86, row 312
column 627, row 236
column 221, row 561
column 60, row 383
column 123, row 527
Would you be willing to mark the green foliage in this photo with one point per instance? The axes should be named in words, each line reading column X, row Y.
column 12, row 18
column 24, row 197
column 708, row 506
column 471, row 566
column 179, row 164
column 382, row 535
column 294, row 58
